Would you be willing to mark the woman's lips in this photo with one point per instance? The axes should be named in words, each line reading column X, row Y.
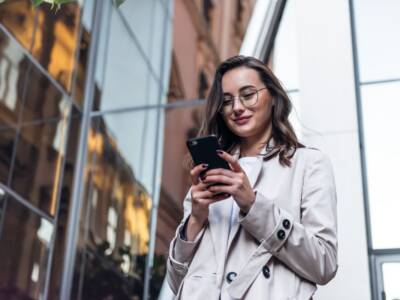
column 242, row 120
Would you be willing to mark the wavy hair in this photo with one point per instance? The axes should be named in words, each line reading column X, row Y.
column 286, row 142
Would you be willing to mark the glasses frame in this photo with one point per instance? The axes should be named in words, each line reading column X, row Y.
column 221, row 108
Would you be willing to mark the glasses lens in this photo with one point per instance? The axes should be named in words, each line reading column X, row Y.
column 248, row 97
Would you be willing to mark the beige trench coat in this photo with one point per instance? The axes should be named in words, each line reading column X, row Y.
column 280, row 250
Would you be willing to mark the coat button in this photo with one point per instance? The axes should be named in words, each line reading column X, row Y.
column 286, row 224
column 281, row 234
column 230, row 276
column 266, row 272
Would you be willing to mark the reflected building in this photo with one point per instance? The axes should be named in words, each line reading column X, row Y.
column 81, row 90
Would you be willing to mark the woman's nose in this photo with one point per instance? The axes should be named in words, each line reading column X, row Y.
column 237, row 105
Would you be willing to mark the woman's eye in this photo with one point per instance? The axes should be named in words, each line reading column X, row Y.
column 248, row 95
column 227, row 102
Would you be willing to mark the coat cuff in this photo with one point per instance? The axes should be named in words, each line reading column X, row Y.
column 270, row 225
column 181, row 251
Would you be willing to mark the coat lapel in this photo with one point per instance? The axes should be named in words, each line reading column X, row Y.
column 220, row 213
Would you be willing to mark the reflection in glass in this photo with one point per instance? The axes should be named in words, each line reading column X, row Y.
column 24, row 248
column 43, row 100
column 7, row 139
column 64, row 205
column 13, row 69
column 38, row 162
column 391, row 275
column 140, row 16
column 378, row 25
column 18, row 16
column 114, row 226
column 381, row 125
column 56, row 41
column 126, row 81
column 84, row 43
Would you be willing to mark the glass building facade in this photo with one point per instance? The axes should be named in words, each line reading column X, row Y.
column 82, row 101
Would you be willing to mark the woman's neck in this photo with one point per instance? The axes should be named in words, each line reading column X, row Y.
column 251, row 146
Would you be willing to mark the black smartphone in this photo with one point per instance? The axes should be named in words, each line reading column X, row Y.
column 204, row 151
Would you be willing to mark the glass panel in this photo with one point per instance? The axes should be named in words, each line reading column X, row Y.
column 127, row 75
column 139, row 17
column 24, row 249
column 38, row 162
column 284, row 60
column 381, row 124
column 14, row 67
column 180, row 124
column 378, row 24
column 162, row 37
column 64, row 206
column 391, row 275
column 56, row 41
column 114, row 234
column 18, row 16
column 84, row 43
column 7, row 140
column 43, row 100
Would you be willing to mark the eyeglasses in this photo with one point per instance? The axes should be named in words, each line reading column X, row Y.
column 248, row 97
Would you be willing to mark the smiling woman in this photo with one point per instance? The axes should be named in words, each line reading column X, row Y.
column 273, row 234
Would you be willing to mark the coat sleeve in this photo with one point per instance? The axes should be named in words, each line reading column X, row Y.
column 308, row 247
column 181, row 252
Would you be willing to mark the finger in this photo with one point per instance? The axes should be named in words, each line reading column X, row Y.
column 195, row 172
column 219, row 171
column 219, row 179
column 202, row 195
column 221, row 189
column 231, row 160
column 214, row 199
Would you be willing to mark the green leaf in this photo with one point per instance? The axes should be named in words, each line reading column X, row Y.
column 37, row 2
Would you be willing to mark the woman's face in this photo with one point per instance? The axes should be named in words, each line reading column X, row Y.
column 246, row 122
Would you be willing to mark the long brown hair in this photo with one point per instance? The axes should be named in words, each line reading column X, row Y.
column 286, row 142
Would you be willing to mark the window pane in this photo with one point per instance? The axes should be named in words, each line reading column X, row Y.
column 381, row 104
column 391, row 276
column 126, row 73
column 378, row 25
column 18, row 17
column 13, row 69
column 7, row 140
column 84, row 44
column 38, row 161
column 24, row 249
column 64, row 207
column 139, row 16
column 115, row 218
column 56, row 40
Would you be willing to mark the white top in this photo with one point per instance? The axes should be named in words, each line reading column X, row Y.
column 247, row 164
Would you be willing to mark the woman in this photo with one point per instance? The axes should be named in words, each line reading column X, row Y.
column 270, row 233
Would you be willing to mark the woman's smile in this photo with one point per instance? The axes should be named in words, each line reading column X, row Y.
column 241, row 120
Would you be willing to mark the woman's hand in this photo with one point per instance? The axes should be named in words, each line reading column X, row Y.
column 233, row 182
column 201, row 199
